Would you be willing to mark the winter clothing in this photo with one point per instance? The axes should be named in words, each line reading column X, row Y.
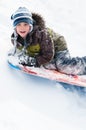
column 27, row 61
column 22, row 15
column 49, row 49
column 38, row 44
column 70, row 65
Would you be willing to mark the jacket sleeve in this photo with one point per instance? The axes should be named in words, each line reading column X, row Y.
column 70, row 65
column 47, row 49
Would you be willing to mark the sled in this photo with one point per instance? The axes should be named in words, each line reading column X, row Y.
column 49, row 74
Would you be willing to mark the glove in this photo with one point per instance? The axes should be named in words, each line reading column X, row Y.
column 32, row 61
column 28, row 61
column 23, row 59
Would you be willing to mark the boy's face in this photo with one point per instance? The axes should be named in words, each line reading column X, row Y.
column 23, row 29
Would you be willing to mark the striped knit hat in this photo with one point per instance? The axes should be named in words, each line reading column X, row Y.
column 22, row 14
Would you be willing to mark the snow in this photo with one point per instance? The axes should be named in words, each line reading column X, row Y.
column 31, row 103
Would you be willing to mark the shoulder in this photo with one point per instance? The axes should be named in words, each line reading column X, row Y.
column 38, row 21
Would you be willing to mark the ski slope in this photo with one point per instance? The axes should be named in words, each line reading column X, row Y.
column 30, row 103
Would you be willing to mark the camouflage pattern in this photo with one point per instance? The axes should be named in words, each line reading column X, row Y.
column 70, row 65
column 62, row 60
column 58, row 41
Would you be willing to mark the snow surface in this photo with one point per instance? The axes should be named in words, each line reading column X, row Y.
column 30, row 103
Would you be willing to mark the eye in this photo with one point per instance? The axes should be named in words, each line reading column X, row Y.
column 19, row 24
column 26, row 24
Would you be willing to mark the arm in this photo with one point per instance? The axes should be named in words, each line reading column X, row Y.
column 17, row 41
column 47, row 49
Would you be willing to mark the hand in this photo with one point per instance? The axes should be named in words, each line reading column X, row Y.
column 28, row 61
column 23, row 59
column 31, row 61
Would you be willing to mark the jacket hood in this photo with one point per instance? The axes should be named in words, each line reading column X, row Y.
column 38, row 20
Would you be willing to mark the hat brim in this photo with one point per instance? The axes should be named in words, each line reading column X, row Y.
column 25, row 20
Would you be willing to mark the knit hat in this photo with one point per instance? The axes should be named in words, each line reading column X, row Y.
column 22, row 14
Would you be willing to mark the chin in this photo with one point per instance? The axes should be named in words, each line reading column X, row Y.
column 23, row 36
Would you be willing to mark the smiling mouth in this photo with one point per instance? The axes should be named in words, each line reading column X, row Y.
column 22, row 31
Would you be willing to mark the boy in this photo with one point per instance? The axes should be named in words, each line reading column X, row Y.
column 41, row 46
column 31, row 37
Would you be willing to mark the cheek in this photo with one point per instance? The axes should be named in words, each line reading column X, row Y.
column 28, row 29
column 17, row 30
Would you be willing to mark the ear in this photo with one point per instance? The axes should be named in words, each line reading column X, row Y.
column 31, row 27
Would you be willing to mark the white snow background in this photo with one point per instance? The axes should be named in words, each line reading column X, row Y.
column 30, row 103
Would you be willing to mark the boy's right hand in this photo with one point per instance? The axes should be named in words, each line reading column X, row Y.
column 27, row 61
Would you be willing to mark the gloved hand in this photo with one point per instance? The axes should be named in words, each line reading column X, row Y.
column 23, row 59
column 28, row 61
column 32, row 61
